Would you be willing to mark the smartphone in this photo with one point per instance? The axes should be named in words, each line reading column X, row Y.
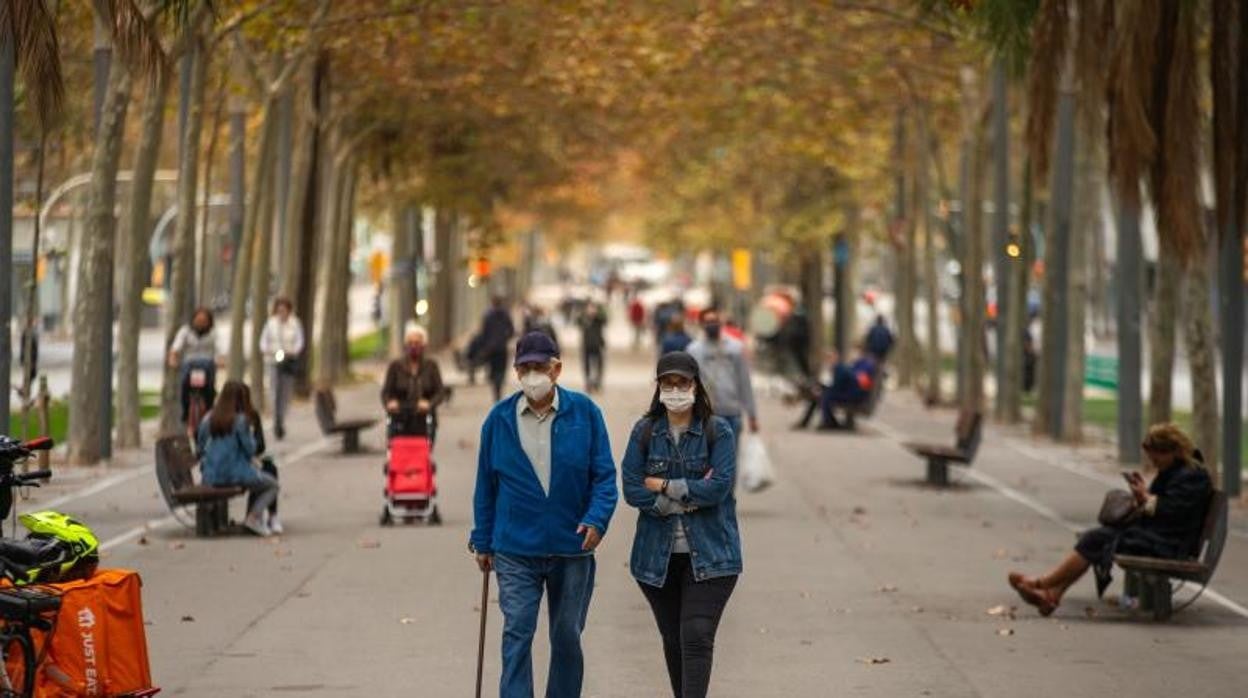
column 1130, row 476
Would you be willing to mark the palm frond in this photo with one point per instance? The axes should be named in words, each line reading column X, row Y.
column 1177, row 180
column 32, row 28
column 1132, row 140
column 1049, row 42
column 1093, row 39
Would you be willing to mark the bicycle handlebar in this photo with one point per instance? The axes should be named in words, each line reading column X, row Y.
column 43, row 443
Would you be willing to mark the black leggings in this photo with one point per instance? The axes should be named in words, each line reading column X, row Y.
column 687, row 613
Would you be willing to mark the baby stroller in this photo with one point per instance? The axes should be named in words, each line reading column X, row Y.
column 410, row 492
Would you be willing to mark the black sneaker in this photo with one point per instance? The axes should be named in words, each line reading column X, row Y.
column 279, row 431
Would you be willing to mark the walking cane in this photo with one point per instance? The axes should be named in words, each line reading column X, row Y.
column 485, row 601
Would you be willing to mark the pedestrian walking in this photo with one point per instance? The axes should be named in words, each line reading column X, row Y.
column 678, row 471
column 545, row 493
column 637, row 318
column 879, row 340
column 593, row 345
column 726, row 374
column 675, row 338
column 496, row 331
column 413, row 388
column 282, row 344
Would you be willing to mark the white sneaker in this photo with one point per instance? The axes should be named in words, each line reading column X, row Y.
column 256, row 525
column 275, row 525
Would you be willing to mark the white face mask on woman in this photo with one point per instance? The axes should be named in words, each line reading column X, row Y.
column 536, row 385
column 677, row 400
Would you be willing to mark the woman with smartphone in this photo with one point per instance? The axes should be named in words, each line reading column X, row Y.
column 1166, row 522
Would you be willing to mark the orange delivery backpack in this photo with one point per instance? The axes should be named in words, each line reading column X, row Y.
column 98, row 645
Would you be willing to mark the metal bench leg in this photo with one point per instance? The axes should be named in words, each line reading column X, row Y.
column 351, row 441
column 1145, row 589
column 1131, row 585
column 938, row 471
column 1163, row 607
column 203, row 519
column 223, row 515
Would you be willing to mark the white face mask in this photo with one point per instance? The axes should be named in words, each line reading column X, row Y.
column 536, row 385
column 676, row 400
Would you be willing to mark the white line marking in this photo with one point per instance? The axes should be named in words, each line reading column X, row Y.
column 98, row 487
column 154, row 524
column 1046, row 511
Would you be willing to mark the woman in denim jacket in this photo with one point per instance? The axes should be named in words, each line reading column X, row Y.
column 679, row 468
column 226, row 446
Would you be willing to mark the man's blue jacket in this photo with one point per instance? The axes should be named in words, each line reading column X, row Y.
column 512, row 514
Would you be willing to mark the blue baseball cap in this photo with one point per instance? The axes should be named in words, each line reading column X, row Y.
column 536, row 348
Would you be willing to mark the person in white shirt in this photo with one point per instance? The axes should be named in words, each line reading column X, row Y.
column 194, row 351
column 282, row 345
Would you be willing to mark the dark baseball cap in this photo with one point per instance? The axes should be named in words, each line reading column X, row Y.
column 536, row 348
column 677, row 363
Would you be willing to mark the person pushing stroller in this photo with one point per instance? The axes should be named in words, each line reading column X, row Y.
column 413, row 389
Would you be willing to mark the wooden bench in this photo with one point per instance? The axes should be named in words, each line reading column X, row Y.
column 967, row 435
column 174, row 464
column 326, row 416
column 1149, row 579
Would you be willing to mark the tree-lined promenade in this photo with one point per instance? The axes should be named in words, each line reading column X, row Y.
column 964, row 143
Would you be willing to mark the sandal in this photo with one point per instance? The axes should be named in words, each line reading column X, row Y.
column 1042, row 599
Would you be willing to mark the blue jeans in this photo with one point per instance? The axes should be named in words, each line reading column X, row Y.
column 569, row 584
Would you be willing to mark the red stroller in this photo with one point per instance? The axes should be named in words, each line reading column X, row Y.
column 411, row 492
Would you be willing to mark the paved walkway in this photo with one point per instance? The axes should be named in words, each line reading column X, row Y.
column 859, row 580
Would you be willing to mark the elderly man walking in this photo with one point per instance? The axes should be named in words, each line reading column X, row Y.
column 726, row 373
column 545, row 493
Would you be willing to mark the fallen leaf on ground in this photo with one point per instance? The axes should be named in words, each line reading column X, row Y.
column 1002, row 610
column 859, row 511
column 807, row 642
column 142, row 540
column 1005, row 632
column 370, row 544
column 874, row 660
column 888, row 589
column 406, row 621
column 177, row 545
column 188, row 619
column 1000, row 554
column 917, row 609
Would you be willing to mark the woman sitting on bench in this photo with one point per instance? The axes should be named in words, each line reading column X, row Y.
column 227, row 445
column 1167, row 524
column 851, row 387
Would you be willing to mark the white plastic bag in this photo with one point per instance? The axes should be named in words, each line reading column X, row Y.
column 754, row 471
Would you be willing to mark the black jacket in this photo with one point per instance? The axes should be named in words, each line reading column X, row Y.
column 1174, row 529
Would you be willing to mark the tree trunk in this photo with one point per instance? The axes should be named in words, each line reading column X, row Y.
column 441, row 332
column 973, row 269
column 1016, row 308
column 243, row 255
column 1001, row 263
column 1200, row 339
column 93, row 304
column 182, row 275
column 812, row 297
column 905, row 270
column 1130, row 292
column 7, row 69
column 135, row 236
column 401, row 278
column 930, row 271
column 205, row 208
column 342, row 258
column 1088, row 186
column 261, row 282
column 1161, row 336
column 1056, row 340
column 324, row 353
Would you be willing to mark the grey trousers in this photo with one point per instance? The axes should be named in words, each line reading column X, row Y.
column 283, row 385
column 263, row 493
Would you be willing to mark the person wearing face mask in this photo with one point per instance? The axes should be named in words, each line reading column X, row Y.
column 726, row 374
column 678, row 471
column 194, row 347
column 545, row 493
column 413, row 388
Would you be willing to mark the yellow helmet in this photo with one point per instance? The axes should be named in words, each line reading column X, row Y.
column 71, row 550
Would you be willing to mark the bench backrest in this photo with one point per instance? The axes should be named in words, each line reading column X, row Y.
column 325, row 410
column 175, row 461
column 1213, row 537
column 968, row 433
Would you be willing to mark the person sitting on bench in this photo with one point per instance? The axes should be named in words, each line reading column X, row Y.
column 850, row 387
column 227, row 444
column 1169, row 516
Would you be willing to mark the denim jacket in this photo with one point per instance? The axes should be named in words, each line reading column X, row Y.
column 701, row 477
column 226, row 460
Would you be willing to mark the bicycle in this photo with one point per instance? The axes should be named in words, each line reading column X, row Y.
column 22, row 610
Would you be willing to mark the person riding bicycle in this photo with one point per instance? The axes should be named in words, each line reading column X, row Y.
column 194, row 353
column 413, row 388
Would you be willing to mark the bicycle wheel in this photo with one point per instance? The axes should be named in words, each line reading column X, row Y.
column 17, row 673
